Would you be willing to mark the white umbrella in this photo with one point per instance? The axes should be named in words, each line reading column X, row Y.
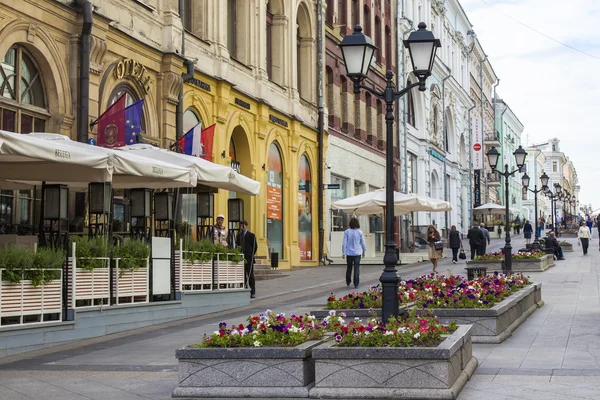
column 375, row 202
column 208, row 173
column 26, row 157
column 491, row 208
column 128, row 170
column 595, row 213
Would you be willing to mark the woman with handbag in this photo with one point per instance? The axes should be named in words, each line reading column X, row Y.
column 583, row 237
column 435, row 246
column 454, row 243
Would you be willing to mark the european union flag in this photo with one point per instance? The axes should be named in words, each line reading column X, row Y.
column 133, row 121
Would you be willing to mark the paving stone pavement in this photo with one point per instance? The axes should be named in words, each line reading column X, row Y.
column 555, row 354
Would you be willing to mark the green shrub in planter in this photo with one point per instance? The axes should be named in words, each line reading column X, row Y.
column 132, row 254
column 40, row 268
column 201, row 251
column 88, row 249
column 234, row 255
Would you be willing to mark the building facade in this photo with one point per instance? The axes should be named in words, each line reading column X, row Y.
column 553, row 166
column 355, row 158
column 435, row 125
column 256, row 81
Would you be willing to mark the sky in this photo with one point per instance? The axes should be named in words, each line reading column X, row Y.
column 554, row 90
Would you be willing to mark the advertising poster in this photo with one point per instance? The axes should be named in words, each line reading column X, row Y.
column 304, row 210
column 477, row 145
column 275, row 201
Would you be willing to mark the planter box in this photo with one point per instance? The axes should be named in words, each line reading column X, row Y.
column 22, row 303
column 358, row 312
column 228, row 274
column 91, row 288
column 494, row 325
column 491, row 265
column 532, row 265
column 415, row 372
column 131, row 286
column 567, row 248
column 246, row 372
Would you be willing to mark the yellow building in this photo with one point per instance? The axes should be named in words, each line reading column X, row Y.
column 264, row 110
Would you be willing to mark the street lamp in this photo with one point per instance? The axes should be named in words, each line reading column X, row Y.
column 525, row 180
column 357, row 50
column 557, row 195
column 493, row 156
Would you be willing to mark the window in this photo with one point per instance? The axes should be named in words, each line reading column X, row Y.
column 305, row 51
column 379, row 120
column 369, row 121
column 21, row 84
column 232, row 27
column 187, row 15
column 388, row 48
column 378, row 39
column 357, row 122
column 342, row 14
column 269, row 41
column 355, row 13
column 411, row 165
column 410, row 103
column 367, row 19
column 304, row 210
column 6, row 206
column 190, row 120
column 554, row 166
column 330, row 100
column 329, row 16
column 340, row 219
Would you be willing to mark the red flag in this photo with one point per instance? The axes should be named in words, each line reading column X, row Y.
column 111, row 125
column 207, row 142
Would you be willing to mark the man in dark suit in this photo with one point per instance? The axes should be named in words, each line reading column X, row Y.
column 476, row 241
column 247, row 242
column 552, row 243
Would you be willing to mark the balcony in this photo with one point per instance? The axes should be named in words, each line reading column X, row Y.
column 492, row 139
column 494, row 179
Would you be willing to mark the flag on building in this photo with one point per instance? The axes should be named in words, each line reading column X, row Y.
column 119, row 125
column 207, row 141
column 191, row 143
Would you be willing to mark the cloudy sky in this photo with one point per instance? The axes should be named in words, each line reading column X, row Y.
column 553, row 90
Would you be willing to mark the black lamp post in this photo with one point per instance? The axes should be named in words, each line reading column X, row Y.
column 557, row 195
column 525, row 180
column 493, row 156
column 357, row 50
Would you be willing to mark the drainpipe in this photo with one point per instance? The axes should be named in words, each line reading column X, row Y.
column 494, row 127
column 483, row 122
column 83, row 109
column 444, row 122
column 469, row 138
column 321, row 128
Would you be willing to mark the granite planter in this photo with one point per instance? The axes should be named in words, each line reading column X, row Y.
column 246, row 372
column 494, row 325
column 566, row 247
column 491, row 265
column 357, row 312
column 532, row 264
column 415, row 372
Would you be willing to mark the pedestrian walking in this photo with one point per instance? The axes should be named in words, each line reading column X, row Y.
column 518, row 225
column 247, row 242
column 353, row 246
column 527, row 231
column 486, row 235
column 454, row 243
column 476, row 241
column 584, row 236
column 589, row 224
column 436, row 247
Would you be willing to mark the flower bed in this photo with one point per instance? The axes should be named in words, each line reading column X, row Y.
column 522, row 261
column 495, row 305
column 356, row 304
column 268, row 357
column 350, row 368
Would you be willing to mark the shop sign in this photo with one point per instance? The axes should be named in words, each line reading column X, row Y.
column 437, row 155
column 477, row 145
column 201, row 84
column 278, row 121
column 477, row 188
column 242, row 103
column 131, row 69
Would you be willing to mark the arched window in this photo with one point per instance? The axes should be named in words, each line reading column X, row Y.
column 344, row 102
column 275, row 200
column 130, row 97
column 342, row 14
column 378, row 39
column 269, row 41
column 330, row 99
column 304, row 209
column 22, row 96
column 410, row 104
column 190, row 120
column 367, row 19
column 434, row 123
column 275, row 43
column 232, row 27
column 388, row 48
